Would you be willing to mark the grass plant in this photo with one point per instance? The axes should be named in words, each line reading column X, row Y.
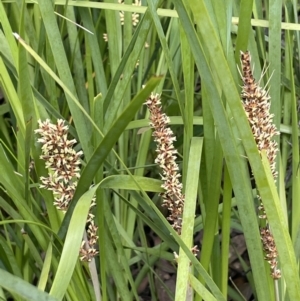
column 92, row 66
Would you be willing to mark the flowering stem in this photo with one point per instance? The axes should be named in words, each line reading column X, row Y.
column 63, row 163
column 256, row 102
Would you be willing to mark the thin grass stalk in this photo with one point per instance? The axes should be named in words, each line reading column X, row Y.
column 226, row 217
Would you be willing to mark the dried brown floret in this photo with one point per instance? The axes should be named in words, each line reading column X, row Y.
column 256, row 102
column 63, row 162
column 173, row 199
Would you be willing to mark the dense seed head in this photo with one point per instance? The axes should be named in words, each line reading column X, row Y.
column 256, row 102
column 173, row 199
column 63, row 163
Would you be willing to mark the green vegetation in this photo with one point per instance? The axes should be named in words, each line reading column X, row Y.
column 94, row 65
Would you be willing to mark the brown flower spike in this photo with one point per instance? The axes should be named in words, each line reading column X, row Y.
column 63, row 162
column 173, row 198
column 256, row 102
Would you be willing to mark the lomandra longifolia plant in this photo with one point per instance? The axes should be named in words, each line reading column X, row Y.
column 63, row 164
column 256, row 102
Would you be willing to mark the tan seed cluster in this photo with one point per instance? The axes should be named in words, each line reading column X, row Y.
column 63, row 163
column 135, row 21
column 173, row 198
column 256, row 102
column 105, row 37
column 61, row 160
column 87, row 250
column 270, row 251
column 135, row 16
